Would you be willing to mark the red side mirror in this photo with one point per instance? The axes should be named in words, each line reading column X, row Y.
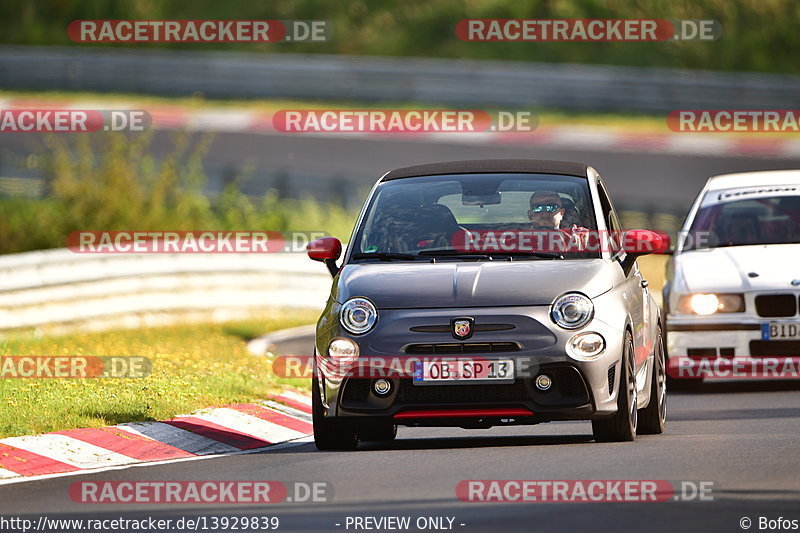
column 643, row 241
column 324, row 249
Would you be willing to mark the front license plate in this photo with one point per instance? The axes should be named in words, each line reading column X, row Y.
column 463, row 371
column 780, row 331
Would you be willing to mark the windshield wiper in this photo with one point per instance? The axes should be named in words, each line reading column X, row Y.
column 541, row 255
column 386, row 256
column 454, row 253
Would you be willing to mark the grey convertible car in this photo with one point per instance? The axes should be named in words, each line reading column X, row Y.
column 482, row 293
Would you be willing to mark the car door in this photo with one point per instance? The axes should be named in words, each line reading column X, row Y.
column 634, row 289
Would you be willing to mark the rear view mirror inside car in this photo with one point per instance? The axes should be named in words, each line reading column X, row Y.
column 481, row 199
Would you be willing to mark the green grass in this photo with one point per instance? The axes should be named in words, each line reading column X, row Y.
column 193, row 366
column 84, row 179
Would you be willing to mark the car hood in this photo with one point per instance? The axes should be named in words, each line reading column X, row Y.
column 401, row 285
column 730, row 268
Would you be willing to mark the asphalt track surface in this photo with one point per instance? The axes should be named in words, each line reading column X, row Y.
column 322, row 164
column 743, row 438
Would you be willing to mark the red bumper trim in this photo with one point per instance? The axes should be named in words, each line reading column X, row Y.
column 464, row 413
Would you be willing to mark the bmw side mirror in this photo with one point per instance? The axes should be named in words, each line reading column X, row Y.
column 326, row 250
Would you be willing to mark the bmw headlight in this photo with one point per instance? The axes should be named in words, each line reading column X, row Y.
column 708, row 304
column 572, row 310
column 358, row 315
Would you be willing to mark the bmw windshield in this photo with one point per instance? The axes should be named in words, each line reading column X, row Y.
column 750, row 221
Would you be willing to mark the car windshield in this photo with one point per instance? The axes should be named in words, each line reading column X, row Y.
column 436, row 215
column 763, row 220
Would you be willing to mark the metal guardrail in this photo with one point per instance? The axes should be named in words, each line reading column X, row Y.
column 382, row 79
column 59, row 288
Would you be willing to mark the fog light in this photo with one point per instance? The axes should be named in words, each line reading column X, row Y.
column 586, row 346
column 543, row 382
column 343, row 351
column 382, row 387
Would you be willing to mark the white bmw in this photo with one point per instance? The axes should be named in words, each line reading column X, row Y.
column 733, row 284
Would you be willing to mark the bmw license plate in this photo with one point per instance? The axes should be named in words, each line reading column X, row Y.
column 780, row 331
column 463, row 371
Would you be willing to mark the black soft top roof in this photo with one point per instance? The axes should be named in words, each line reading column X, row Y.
column 493, row 166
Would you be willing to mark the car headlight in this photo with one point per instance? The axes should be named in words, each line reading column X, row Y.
column 358, row 315
column 572, row 310
column 707, row 303
column 343, row 351
column 586, row 346
column 342, row 356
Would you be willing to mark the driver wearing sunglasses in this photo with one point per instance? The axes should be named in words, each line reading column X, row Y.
column 546, row 210
column 546, row 213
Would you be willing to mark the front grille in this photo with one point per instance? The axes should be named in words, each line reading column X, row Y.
column 774, row 305
column 774, row 348
column 462, row 347
column 447, row 328
column 513, row 392
column 612, row 371
column 727, row 352
column 356, row 390
column 569, row 390
column 701, row 353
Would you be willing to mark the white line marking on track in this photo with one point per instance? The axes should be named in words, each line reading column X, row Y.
column 7, row 474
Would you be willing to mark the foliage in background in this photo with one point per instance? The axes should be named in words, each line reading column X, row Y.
column 113, row 183
column 193, row 366
column 758, row 35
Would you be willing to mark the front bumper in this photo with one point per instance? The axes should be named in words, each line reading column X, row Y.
column 581, row 389
column 716, row 336
column 719, row 345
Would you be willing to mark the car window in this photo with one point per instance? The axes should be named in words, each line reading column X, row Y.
column 764, row 220
column 414, row 215
column 610, row 217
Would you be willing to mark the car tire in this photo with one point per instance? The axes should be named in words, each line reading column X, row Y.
column 621, row 427
column 329, row 435
column 653, row 418
column 377, row 432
